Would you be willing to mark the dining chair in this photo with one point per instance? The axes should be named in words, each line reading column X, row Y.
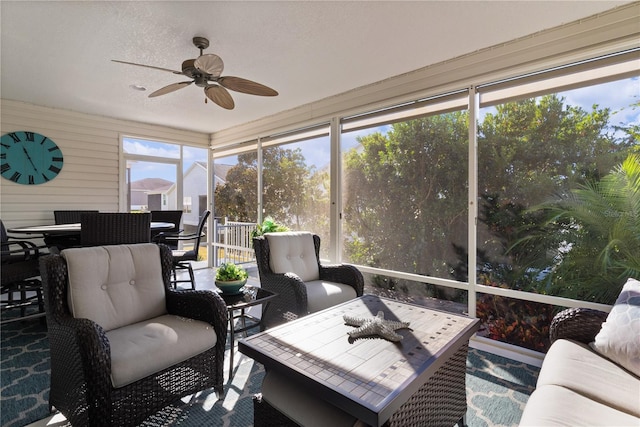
column 58, row 242
column 70, row 216
column 289, row 265
column 20, row 285
column 173, row 217
column 115, row 228
column 182, row 258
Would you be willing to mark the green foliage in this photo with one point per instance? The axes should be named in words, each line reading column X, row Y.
column 600, row 225
column 293, row 191
column 518, row 322
column 268, row 226
column 229, row 271
column 403, row 189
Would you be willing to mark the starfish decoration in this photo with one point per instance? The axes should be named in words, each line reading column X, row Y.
column 374, row 326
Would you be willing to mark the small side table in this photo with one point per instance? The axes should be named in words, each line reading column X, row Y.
column 251, row 296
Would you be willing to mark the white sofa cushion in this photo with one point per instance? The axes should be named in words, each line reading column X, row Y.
column 293, row 252
column 322, row 294
column 577, row 367
column 619, row 338
column 553, row 405
column 116, row 285
column 143, row 348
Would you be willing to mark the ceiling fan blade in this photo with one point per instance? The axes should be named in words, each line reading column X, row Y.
column 210, row 64
column 246, row 86
column 148, row 66
column 220, row 96
column 171, row 88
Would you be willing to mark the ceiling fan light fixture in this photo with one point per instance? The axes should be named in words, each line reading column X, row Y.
column 205, row 71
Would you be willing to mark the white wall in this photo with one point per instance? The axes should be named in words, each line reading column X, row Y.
column 90, row 177
column 195, row 185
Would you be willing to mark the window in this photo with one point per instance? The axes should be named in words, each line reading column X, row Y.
column 296, row 181
column 405, row 192
column 163, row 176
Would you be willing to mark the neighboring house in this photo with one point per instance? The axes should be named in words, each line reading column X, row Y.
column 147, row 194
column 194, row 191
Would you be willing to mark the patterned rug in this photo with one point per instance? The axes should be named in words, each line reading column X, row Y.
column 497, row 388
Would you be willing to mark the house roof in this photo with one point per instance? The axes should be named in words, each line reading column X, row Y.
column 151, row 185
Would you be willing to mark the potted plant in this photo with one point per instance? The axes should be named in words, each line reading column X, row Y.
column 268, row 226
column 230, row 278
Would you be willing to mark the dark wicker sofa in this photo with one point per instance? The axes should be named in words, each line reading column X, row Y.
column 81, row 354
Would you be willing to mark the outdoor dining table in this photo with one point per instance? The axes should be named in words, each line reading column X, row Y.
column 54, row 229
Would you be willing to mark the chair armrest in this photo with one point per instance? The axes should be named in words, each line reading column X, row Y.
column 180, row 237
column 579, row 324
column 206, row 306
column 80, row 351
column 343, row 273
column 166, row 235
column 291, row 301
column 22, row 250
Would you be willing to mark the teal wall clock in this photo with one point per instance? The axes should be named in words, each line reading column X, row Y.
column 29, row 158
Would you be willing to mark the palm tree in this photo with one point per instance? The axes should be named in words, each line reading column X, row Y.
column 600, row 221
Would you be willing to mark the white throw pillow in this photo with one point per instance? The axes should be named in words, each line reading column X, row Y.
column 619, row 338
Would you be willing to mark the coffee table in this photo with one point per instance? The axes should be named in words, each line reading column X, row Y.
column 250, row 296
column 417, row 381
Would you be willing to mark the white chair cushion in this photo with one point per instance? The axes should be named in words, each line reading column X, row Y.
column 147, row 347
column 553, row 405
column 619, row 338
column 322, row 294
column 117, row 285
column 293, row 252
column 577, row 367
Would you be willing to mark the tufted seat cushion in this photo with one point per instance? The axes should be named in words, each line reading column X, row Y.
column 293, row 252
column 121, row 289
column 115, row 286
column 150, row 346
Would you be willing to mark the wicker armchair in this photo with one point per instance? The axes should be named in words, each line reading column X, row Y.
column 578, row 324
column 294, row 293
column 85, row 357
column 115, row 228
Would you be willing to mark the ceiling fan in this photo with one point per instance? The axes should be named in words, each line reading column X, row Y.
column 206, row 72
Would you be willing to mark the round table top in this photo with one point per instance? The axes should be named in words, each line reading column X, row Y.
column 73, row 228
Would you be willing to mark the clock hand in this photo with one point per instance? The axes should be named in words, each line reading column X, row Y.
column 29, row 157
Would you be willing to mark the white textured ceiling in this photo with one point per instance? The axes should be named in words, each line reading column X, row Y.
column 57, row 53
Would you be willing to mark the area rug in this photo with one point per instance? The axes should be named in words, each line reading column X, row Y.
column 497, row 388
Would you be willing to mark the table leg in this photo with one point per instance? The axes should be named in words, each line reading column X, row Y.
column 231, row 343
column 243, row 319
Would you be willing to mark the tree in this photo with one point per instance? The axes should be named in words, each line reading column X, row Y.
column 406, row 190
column 529, row 151
column 406, row 195
column 294, row 193
column 600, row 224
